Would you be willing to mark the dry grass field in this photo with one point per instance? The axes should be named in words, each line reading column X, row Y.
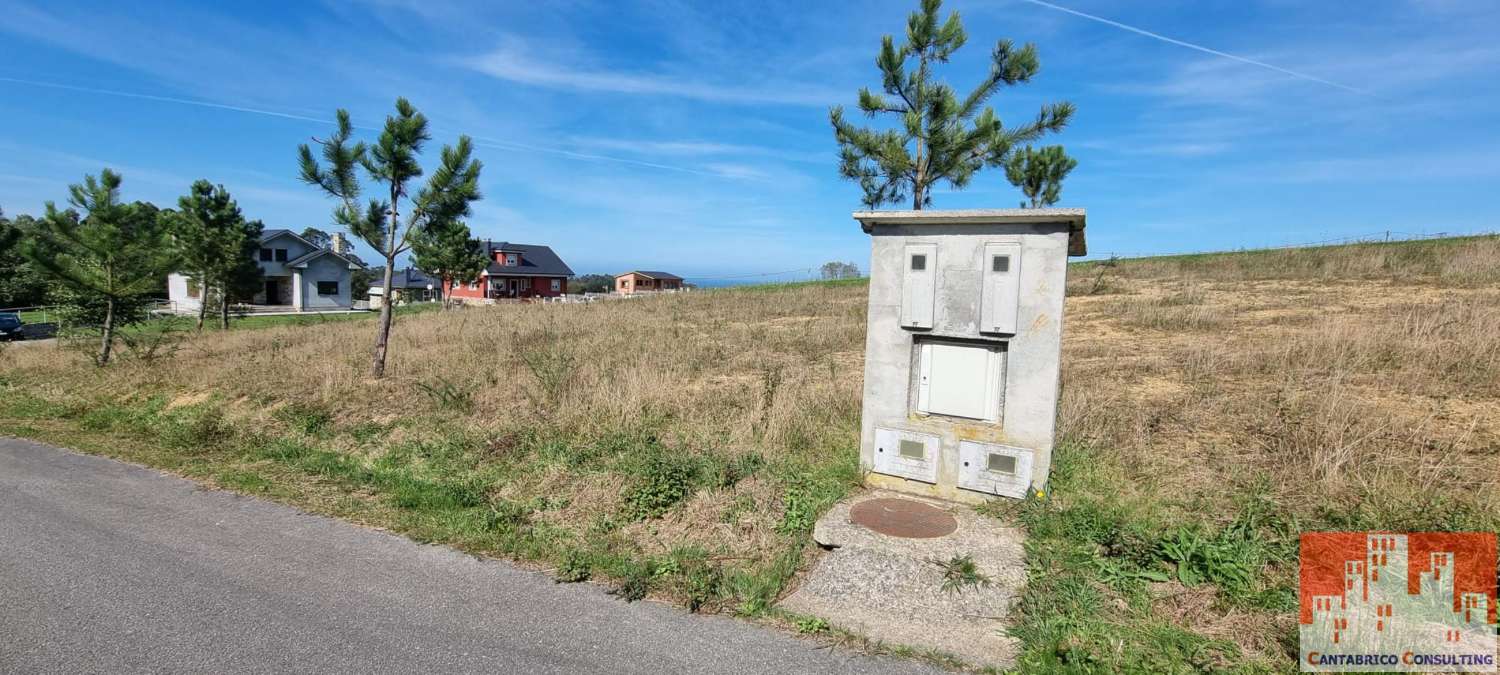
column 681, row 446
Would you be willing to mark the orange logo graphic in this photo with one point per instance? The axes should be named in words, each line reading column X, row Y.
column 1381, row 601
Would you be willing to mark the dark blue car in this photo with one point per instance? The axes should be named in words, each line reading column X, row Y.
column 10, row 326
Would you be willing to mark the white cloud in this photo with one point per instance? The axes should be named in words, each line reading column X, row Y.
column 698, row 148
column 651, row 147
column 1157, row 146
column 738, row 171
column 512, row 63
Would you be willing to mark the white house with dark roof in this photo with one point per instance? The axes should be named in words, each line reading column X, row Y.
column 299, row 277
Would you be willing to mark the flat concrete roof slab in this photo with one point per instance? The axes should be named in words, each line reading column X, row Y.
column 891, row 588
column 1075, row 218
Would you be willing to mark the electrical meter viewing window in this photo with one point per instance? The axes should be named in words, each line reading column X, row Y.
column 1001, row 294
column 919, row 285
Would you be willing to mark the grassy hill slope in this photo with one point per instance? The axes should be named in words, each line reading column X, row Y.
column 1213, row 407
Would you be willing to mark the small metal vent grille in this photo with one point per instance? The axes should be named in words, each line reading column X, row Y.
column 999, row 463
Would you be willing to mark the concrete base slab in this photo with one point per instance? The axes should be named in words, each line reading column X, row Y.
column 891, row 589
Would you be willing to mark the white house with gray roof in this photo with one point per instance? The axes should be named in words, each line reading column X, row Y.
column 299, row 277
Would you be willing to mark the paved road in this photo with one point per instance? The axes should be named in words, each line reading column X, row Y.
column 110, row 567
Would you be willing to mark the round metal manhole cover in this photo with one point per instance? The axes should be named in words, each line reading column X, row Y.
column 903, row 518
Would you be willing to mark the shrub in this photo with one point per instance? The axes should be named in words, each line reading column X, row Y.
column 635, row 581
column 575, row 567
column 665, row 481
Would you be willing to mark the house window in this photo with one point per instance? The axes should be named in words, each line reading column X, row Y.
column 474, row 285
column 280, row 255
column 525, row 284
column 192, row 288
column 328, row 288
column 511, row 260
column 919, row 262
column 556, row 285
column 265, row 255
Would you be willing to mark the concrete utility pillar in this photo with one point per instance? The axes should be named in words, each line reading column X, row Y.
column 963, row 347
column 297, row 303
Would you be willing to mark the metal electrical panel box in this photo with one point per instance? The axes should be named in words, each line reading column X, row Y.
column 961, row 380
column 1001, row 294
column 906, row 454
column 994, row 469
column 963, row 350
column 919, row 286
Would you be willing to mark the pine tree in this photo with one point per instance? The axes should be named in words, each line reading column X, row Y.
column 216, row 246
column 939, row 138
column 1039, row 173
column 449, row 252
column 392, row 163
column 20, row 286
column 318, row 238
column 112, row 252
column 9, row 234
column 243, row 277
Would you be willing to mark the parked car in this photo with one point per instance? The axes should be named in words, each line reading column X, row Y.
column 10, row 326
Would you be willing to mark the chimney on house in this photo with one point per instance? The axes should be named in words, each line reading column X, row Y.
column 336, row 242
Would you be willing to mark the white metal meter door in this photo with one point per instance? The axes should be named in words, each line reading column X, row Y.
column 994, row 469
column 960, row 380
column 1002, row 288
column 906, row 454
column 918, row 285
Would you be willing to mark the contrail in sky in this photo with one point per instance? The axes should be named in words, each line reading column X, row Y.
column 1189, row 45
column 478, row 140
column 164, row 99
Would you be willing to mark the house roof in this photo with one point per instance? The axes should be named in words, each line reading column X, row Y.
column 536, row 261
column 1072, row 217
column 409, row 277
column 301, row 261
column 663, row 276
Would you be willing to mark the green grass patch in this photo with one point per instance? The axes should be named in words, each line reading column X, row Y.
column 442, row 488
column 242, row 480
column 1097, row 566
column 253, row 321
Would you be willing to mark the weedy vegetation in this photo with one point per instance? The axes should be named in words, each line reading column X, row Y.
column 961, row 573
column 681, row 447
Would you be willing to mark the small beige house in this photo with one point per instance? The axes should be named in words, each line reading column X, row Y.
column 646, row 282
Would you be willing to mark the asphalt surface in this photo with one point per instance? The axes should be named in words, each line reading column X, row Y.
column 111, row 567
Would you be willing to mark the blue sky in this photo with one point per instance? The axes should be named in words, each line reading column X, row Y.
column 694, row 136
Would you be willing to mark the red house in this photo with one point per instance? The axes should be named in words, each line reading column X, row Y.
column 515, row 271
